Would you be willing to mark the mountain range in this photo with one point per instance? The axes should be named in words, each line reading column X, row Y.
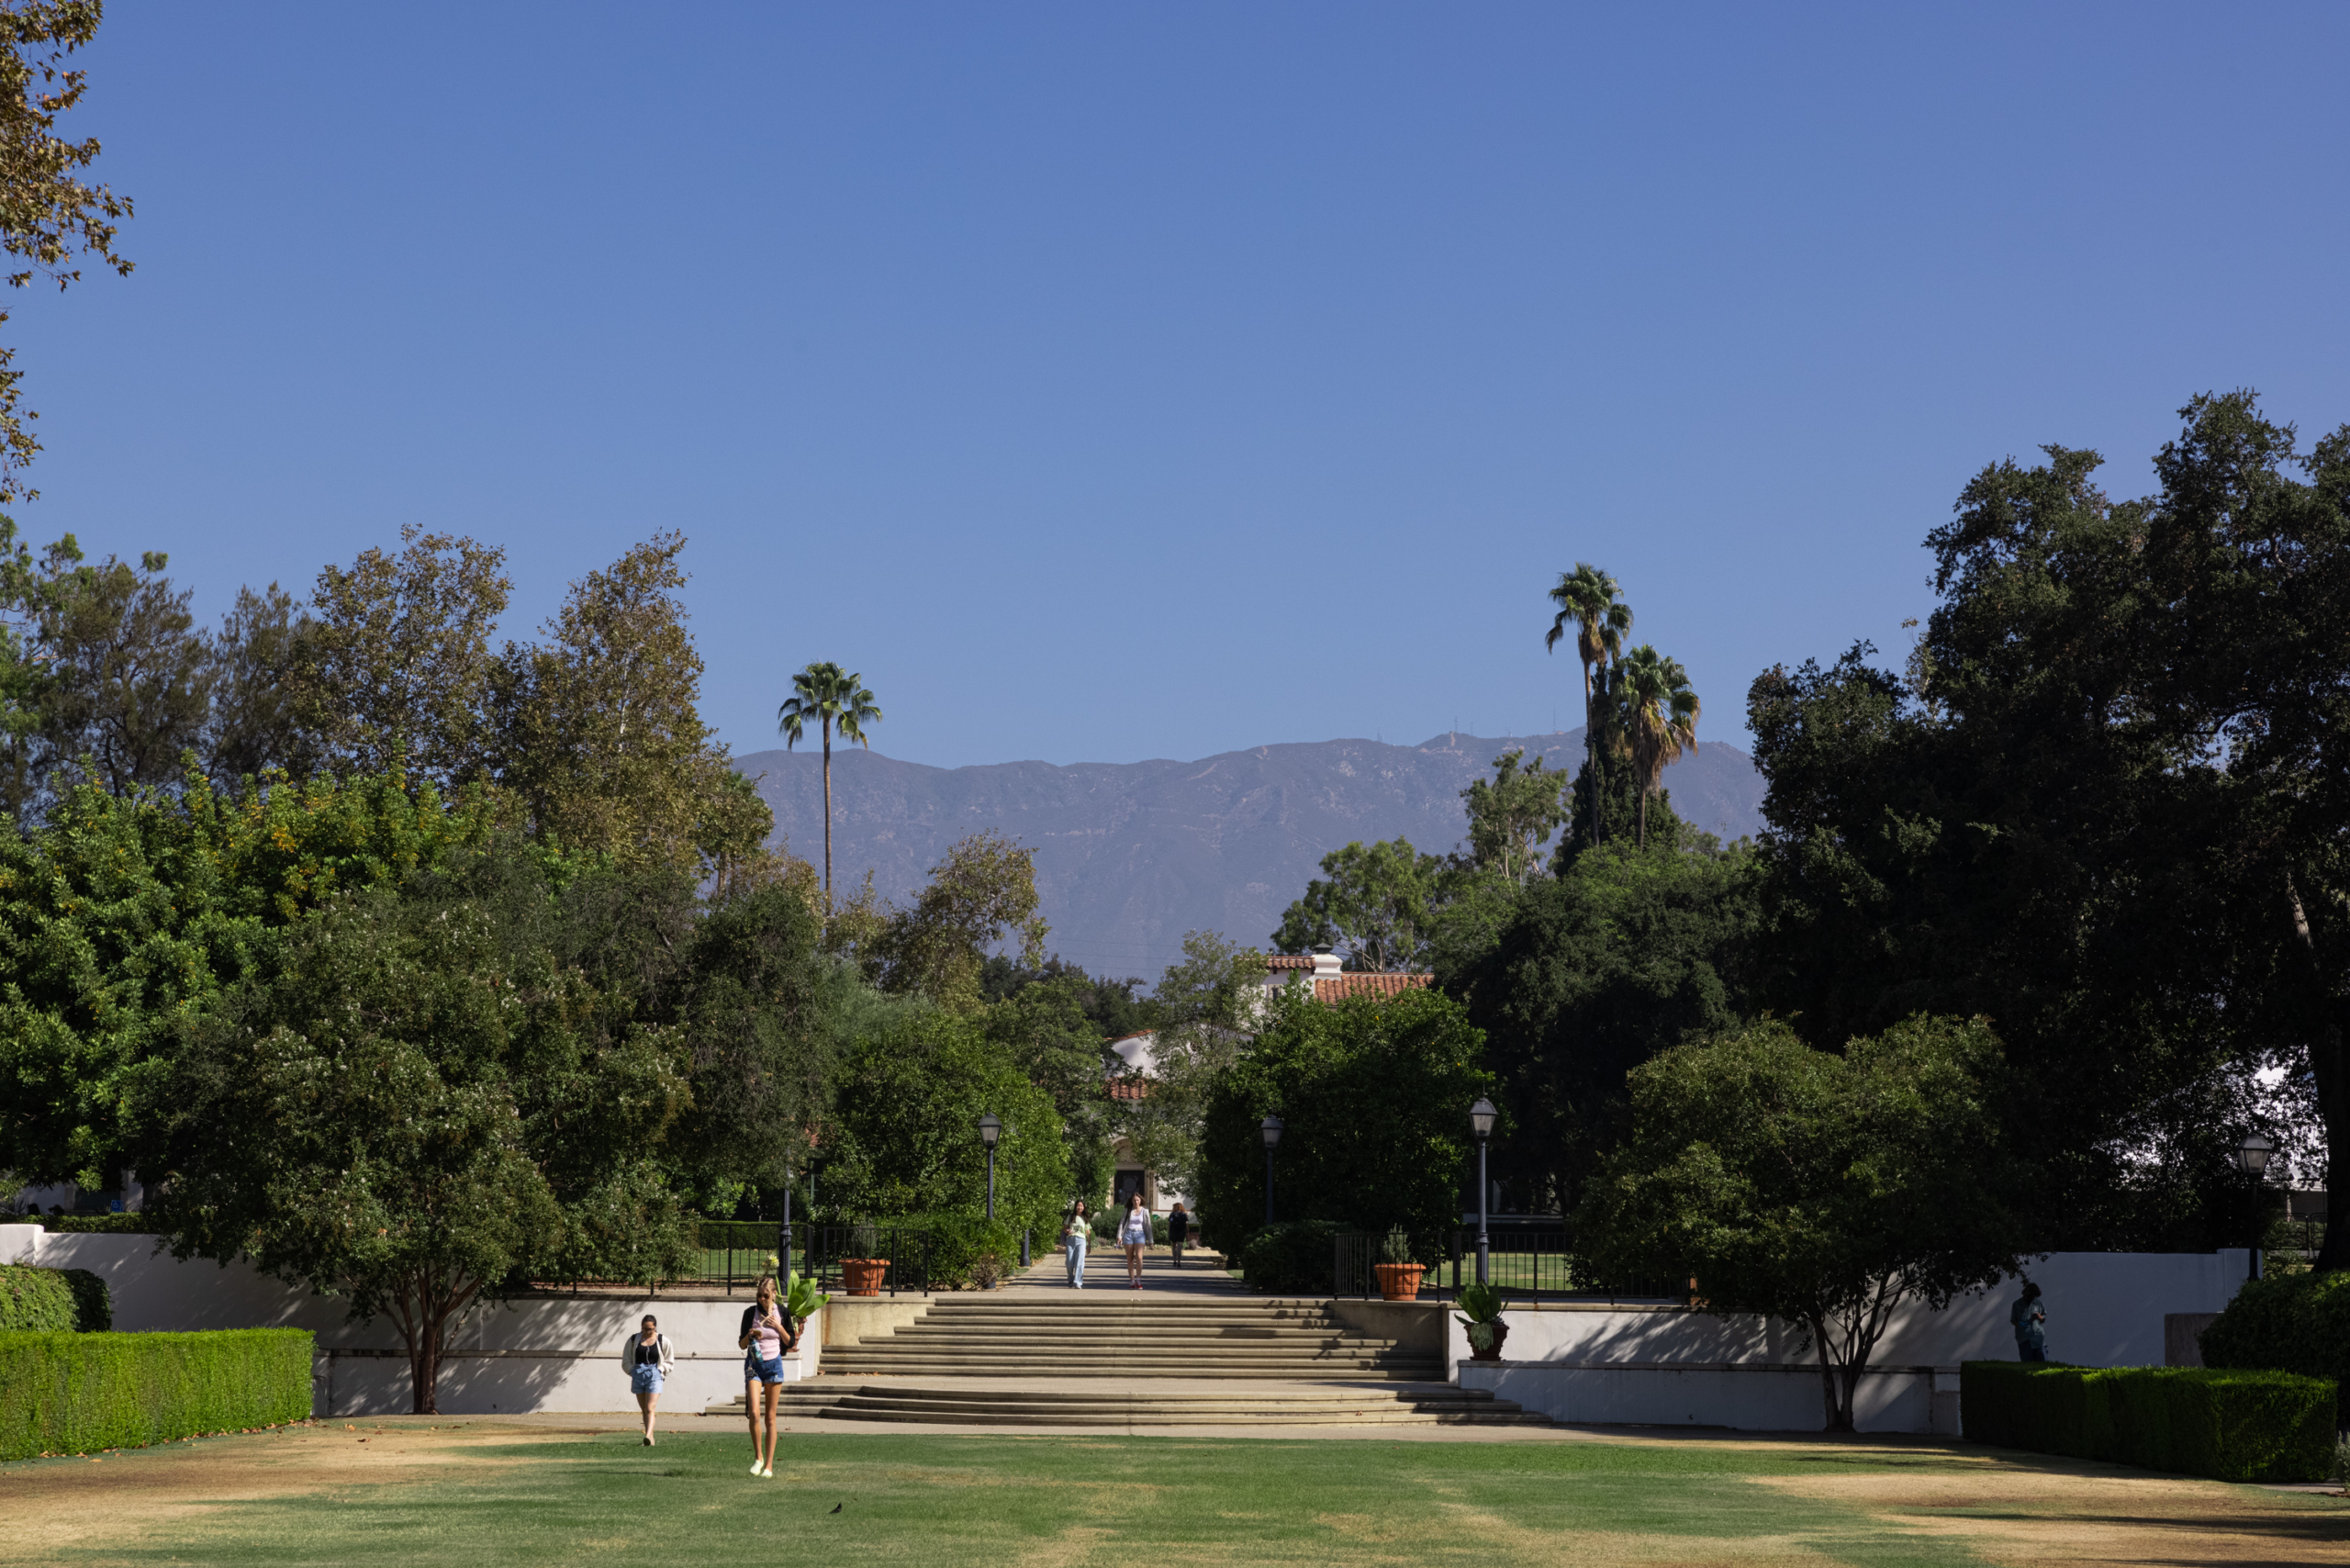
column 1131, row 856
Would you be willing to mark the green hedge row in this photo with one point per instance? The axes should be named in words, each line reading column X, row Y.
column 956, row 1243
column 60, row 1301
column 2229, row 1426
column 1297, row 1258
column 2296, row 1323
column 87, row 1224
column 76, row 1392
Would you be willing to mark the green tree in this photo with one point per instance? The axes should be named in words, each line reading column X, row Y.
column 419, row 1108
column 1512, row 815
column 1375, row 1094
column 983, row 892
column 1374, row 907
column 255, row 724
column 834, row 699
column 1824, row 1190
column 395, row 668
column 125, row 915
column 903, row 1138
column 48, row 214
column 1662, row 713
column 1208, row 1004
column 1598, row 970
column 1588, row 599
column 598, row 728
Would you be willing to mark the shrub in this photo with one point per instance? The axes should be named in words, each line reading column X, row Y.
column 102, row 1225
column 1299, row 1257
column 35, row 1300
column 960, row 1245
column 92, row 1302
column 2295, row 1323
column 2228, row 1425
column 71, row 1393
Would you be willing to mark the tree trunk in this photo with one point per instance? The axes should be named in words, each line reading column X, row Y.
column 2327, row 1068
column 1590, row 753
column 1828, row 1381
column 828, row 816
column 1642, row 841
column 422, row 1308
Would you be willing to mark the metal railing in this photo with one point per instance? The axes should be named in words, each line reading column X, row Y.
column 731, row 1255
column 1520, row 1262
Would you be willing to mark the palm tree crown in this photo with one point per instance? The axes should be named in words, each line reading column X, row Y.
column 1589, row 598
column 1662, row 714
column 835, row 700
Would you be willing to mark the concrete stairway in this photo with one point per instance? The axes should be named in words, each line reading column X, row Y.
column 1015, row 1405
column 1116, row 1334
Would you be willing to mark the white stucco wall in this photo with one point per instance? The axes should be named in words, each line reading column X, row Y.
column 558, row 1353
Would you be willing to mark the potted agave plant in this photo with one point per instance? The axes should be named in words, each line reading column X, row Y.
column 1399, row 1277
column 1480, row 1307
column 862, row 1271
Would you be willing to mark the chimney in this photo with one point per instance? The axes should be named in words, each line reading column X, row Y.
column 1325, row 963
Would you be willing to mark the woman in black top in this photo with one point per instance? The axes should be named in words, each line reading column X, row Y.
column 646, row 1358
column 767, row 1333
column 1179, row 1230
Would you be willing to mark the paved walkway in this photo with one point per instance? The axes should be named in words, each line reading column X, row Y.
column 1203, row 1273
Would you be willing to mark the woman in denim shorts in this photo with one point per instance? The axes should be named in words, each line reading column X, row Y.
column 646, row 1358
column 767, row 1333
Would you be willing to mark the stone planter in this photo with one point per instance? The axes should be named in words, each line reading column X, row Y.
column 864, row 1275
column 1399, row 1282
column 1485, row 1340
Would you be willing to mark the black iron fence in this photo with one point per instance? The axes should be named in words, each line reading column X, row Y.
column 1521, row 1263
column 731, row 1255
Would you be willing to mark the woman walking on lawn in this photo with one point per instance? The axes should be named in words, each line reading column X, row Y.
column 1073, row 1229
column 1134, row 1235
column 767, row 1335
column 646, row 1358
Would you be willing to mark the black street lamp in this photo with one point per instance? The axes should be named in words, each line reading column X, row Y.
column 990, row 1129
column 2252, row 1158
column 1481, row 1117
column 1271, row 1127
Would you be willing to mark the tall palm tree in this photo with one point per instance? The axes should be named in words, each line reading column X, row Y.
column 1588, row 597
column 835, row 700
column 1663, row 711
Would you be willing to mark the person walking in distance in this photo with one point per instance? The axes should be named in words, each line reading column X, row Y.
column 1179, row 1230
column 2030, row 1317
column 1073, row 1229
column 1134, row 1235
column 646, row 1358
column 767, row 1333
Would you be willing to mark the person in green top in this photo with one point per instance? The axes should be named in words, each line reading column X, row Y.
column 2029, row 1317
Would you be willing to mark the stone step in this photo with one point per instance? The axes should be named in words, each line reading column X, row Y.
column 1057, row 1407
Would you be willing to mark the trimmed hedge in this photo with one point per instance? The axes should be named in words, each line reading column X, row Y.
column 73, row 1393
column 957, row 1240
column 88, row 1225
column 2228, row 1425
column 2295, row 1323
column 1299, row 1257
column 36, row 1301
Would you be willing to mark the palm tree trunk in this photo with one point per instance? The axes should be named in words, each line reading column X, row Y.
column 1642, row 842
column 828, row 813
column 1591, row 751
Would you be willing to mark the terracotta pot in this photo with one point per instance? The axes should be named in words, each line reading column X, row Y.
column 1485, row 1340
column 864, row 1275
column 1399, row 1282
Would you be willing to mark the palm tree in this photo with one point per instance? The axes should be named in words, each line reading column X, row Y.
column 835, row 700
column 1587, row 597
column 1663, row 711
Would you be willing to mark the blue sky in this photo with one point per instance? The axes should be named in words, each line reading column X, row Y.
column 1116, row 381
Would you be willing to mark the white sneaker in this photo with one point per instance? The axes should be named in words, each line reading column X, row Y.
column 767, row 1472
column 755, row 1467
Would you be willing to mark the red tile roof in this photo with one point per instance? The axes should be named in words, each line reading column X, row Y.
column 1337, row 988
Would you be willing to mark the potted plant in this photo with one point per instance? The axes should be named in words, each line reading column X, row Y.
column 1482, row 1316
column 862, row 1271
column 1399, row 1277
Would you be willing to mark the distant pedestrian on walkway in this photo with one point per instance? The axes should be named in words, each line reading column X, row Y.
column 1179, row 1230
column 1134, row 1235
column 2030, row 1317
column 767, row 1333
column 646, row 1358
column 1073, row 1237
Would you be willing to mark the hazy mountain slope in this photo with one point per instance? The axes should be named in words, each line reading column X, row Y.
column 1131, row 856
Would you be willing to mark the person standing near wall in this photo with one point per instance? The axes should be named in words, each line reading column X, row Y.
column 646, row 1358
column 767, row 1333
column 1179, row 1230
column 1074, row 1225
column 1134, row 1235
column 2029, row 1317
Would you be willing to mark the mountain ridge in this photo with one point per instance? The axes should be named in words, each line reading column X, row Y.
column 1131, row 856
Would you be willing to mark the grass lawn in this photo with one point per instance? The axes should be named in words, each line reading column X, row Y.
column 470, row 1492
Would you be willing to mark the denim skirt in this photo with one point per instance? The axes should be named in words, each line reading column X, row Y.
column 645, row 1379
column 763, row 1371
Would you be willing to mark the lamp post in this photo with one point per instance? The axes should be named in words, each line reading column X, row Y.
column 2252, row 1158
column 783, row 1250
column 1271, row 1127
column 990, row 1129
column 1481, row 1124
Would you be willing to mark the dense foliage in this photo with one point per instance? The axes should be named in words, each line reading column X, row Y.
column 2229, row 1426
column 2297, row 1323
column 78, row 1392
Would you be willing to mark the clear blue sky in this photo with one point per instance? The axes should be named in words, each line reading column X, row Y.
column 1114, row 381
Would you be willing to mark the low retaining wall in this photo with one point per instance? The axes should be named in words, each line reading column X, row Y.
column 1752, row 1396
column 542, row 1352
